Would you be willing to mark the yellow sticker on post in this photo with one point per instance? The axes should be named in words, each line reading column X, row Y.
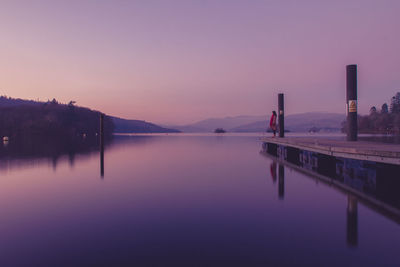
column 352, row 105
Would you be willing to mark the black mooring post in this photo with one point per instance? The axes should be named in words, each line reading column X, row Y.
column 102, row 145
column 281, row 116
column 351, row 102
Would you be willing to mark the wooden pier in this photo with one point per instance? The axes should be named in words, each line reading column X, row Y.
column 360, row 150
column 366, row 170
column 389, row 211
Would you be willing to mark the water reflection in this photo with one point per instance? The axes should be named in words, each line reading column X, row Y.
column 189, row 201
column 5, row 142
column 102, row 162
column 281, row 180
column 352, row 205
column 354, row 178
column 352, row 210
column 102, row 156
column 352, row 221
column 377, row 180
column 21, row 153
column 281, row 190
column 28, row 152
column 273, row 171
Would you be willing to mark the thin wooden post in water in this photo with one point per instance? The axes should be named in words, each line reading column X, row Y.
column 102, row 145
column 351, row 102
column 281, row 116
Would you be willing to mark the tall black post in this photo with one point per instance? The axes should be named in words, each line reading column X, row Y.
column 102, row 145
column 351, row 102
column 281, row 116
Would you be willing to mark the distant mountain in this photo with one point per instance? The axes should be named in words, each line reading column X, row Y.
column 304, row 122
column 138, row 126
column 317, row 121
column 258, row 126
column 209, row 125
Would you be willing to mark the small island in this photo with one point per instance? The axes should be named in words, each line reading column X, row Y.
column 219, row 130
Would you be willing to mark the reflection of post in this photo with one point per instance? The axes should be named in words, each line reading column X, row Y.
column 102, row 161
column 102, row 145
column 272, row 168
column 352, row 221
column 54, row 161
column 281, row 187
column 71, row 158
column 281, row 116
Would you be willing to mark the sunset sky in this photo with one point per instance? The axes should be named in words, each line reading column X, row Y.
column 176, row 62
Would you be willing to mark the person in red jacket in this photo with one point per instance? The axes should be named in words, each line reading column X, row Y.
column 272, row 122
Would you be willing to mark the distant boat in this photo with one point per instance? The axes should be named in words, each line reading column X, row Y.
column 219, row 130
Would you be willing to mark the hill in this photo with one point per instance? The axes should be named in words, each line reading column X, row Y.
column 27, row 117
column 24, row 118
column 138, row 126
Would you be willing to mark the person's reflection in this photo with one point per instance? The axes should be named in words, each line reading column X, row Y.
column 281, row 185
column 272, row 168
column 352, row 221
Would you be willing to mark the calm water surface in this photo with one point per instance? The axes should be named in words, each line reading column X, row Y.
column 181, row 201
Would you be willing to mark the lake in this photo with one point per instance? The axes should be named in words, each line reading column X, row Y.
column 180, row 200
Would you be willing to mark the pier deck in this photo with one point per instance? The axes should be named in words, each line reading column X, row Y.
column 361, row 150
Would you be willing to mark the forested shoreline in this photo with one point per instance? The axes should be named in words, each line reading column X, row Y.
column 385, row 120
column 54, row 120
column 50, row 119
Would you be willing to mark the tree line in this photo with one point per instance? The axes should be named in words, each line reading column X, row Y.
column 383, row 121
column 49, row 119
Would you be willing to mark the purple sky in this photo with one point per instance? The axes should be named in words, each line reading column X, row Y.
column 181, row 61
